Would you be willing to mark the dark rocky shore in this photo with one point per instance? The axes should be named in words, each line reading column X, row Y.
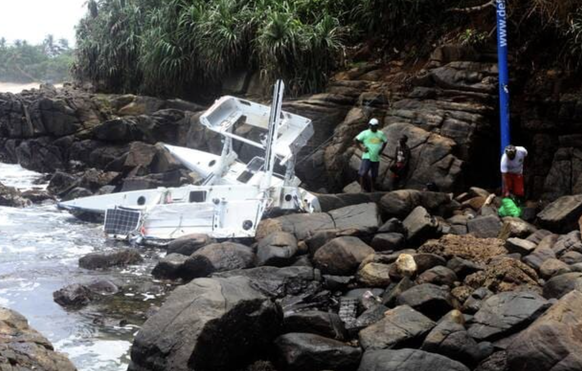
column 394, row 280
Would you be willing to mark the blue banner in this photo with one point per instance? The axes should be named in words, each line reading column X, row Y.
column 503, row 74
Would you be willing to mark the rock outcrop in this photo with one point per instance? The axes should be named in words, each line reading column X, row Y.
column 23, row 348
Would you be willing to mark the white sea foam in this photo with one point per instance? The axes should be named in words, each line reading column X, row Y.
column 95, row 354
column 16, row 176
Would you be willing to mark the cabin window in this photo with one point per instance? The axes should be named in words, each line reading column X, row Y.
column 245, row 176
column 197, row 196
column 141, row 200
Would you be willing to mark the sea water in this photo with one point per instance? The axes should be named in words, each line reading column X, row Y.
column 39, row 251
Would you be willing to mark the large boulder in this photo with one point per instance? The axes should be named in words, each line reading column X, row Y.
column 189, row 244
column 562, row 284
column 485, row 226
column 400, row 203
column 23, row 348
column 217, row 257
column 506, row 313
column 310, row 352
column 215, row 324
column 451, row 339
column 108, row 260
column 10, row 196
column 363, row 218
column 553, row 341
column 399, row 326
column 315, row 322
column 420, row 225
column 562, row 215
column 407, row 360
column 388, row 242
column 170, row 267
column 341, row 256
column 277, row 249
column 279, row 282
column 431, row 300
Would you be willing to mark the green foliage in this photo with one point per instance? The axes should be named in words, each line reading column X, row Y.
column 473, row 37
column 21, row 62
column 165, row 46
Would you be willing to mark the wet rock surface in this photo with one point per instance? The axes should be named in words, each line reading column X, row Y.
column 23, row 348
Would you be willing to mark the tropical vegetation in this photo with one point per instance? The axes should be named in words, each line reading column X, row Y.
column 22, row 62
column 168, row 46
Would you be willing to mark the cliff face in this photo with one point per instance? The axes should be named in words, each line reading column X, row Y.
column 447, row 107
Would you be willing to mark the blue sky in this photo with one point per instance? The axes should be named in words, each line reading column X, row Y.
column 32, row 20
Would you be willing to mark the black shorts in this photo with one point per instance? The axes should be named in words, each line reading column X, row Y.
column 369, row 166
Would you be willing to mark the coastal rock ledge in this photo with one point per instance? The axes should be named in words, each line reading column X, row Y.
column 24, row 348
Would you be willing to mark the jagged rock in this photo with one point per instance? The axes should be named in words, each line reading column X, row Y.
column 189, row 244
column 516, row 227
column 399, row 327
column 341, row 256
column 485, row 226
column 310, row 352
column 11, row 197
column 562, row 215
column 23, row 348
column 77, row 192
column 217, row 257
column 170, row 267
column 426, row 261
column 61, row 183
column 439, row 275
column 496, row 362
column 374, row 275
column 420, row 225
column 569, row 242
column 363, row 218
column 431, row 300
column 407, row 360
column 504, row 274
column 370, row 316
column 73, row 296
column 462, row 267
column 451, row 339
column 390, row 296
column 475, row 301
column 36, row 196
column 432, row 158
column 388, row 242
column 315, row 322
column 542, row 253
column 571, row 257
column 188, row 331
column 506, row 313
column 277, row 249
column 518, row 246
column 279, row 282
column 559, row 286
column 553, row 341
column 553, row 267
column 392, row 225
column 107, row 260
column 401, row 203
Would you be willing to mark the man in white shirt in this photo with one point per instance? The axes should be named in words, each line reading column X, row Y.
column 512, row 171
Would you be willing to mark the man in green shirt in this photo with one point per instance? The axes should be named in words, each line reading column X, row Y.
column 372, row 142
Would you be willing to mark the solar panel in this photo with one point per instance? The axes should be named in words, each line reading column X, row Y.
column 120, row 221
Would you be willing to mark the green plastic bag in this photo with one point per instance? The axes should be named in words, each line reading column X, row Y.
column 509, row 208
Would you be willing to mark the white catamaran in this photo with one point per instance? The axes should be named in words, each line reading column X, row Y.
column 233, row 197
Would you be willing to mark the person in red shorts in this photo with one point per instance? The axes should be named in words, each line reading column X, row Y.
column 512, row 171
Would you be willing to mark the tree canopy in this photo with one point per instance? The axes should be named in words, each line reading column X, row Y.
column 21, row 62
column 165, row 46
